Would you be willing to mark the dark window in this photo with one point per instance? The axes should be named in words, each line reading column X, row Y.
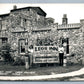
column 4, row 40
column 66, row 40
column 67, row 50
column 22, row 46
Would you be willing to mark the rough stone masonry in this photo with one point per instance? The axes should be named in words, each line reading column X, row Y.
column 23, row 26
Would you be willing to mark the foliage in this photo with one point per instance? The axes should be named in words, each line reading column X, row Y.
column 5, row 50
column 46, row 41
column 18, row 61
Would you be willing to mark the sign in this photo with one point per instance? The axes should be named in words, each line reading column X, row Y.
column 45, row 48
column 45, row 54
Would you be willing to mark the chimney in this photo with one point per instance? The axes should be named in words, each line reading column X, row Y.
column 64, row 19
column 14, row 7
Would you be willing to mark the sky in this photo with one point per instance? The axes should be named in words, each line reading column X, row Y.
column 74, row 12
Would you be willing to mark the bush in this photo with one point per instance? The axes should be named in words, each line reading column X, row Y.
column 5, row 52
column 18, row 61
column 74, row 58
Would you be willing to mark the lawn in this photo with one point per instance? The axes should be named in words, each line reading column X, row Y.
column 7, row 69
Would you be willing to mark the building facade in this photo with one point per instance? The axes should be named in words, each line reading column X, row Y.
column 25, row 27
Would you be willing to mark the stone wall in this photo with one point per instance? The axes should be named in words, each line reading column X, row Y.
column 75, row 37
column 20, row 24
column 76, row 42
column 46, row 33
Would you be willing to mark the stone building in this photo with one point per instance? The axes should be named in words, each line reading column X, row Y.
column 72, row 37
column 17, row 26
column 25, row 27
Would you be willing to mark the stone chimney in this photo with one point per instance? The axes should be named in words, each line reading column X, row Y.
column 14, row 7
column 64, row 19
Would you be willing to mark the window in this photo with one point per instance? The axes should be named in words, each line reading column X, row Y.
column 24, row 23
column 67, row 44
column 22, row 46
column 4, row 40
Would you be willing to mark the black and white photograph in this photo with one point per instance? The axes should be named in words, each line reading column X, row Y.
column 41, row 42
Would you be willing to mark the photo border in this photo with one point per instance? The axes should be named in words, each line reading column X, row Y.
column 40, row 1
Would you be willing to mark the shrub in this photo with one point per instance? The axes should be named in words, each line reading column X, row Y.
column 18, row 61
column 5, row 52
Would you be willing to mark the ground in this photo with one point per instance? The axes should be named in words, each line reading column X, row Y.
column 9, row 70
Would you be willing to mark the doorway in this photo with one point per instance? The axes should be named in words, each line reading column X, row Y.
column 22, row 46
column 63, row 50
column 65, row 43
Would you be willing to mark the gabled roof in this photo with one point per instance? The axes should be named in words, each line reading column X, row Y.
column 38, row 9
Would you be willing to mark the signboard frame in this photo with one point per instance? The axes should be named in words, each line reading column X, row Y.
column 45, row 54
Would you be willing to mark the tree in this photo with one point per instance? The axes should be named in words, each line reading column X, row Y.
column 5, row 50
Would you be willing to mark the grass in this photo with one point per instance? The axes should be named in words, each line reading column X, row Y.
column 43, row 70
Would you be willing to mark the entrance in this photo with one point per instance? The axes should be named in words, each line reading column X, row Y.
column 63, row 50
column 65, row 43
column 22, row 46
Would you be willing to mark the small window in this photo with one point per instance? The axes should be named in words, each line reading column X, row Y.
column 4, row 40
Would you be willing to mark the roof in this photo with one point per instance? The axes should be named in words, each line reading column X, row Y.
column 42, row 29
column 4, row 15
column 38, row 9
column 69, row 26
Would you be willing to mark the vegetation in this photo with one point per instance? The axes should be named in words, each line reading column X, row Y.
column 47, row 41
column 5, row 50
